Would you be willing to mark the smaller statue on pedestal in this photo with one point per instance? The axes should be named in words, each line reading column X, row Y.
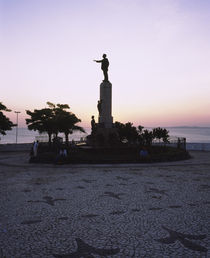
column 99, row 106
column 104, row 66
column 93, row 124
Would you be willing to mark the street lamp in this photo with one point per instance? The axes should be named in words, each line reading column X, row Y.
column 17, row 112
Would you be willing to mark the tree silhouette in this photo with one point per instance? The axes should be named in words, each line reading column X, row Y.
column 66, row 121
column 147, row 137
column 127, row 132
column 5, row 123
column 54, row 119
column 134, row 134
column 140, row 136
column 120, row 129
column 131, row 132
column 41, row 120
column 161, row 133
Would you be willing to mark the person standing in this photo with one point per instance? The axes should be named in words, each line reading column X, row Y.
column 35, row 148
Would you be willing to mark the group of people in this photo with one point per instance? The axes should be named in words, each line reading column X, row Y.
column 143, row 153
column 60, row 157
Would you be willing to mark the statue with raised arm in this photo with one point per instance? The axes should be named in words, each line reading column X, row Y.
column 104, row 66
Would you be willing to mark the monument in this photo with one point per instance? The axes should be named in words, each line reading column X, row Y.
column 104, row 131
column 105, row 118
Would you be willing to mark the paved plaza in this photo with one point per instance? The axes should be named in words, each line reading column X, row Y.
column 139, row 210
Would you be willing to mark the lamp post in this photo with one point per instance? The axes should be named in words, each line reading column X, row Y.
column 17, row 112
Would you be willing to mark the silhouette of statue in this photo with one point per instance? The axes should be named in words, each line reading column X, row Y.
column 104, row 67
column 93, row 124
column 99, row 106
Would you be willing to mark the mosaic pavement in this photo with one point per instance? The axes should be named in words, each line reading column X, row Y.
column 109, row 211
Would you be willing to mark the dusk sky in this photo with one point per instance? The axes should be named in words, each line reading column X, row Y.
column 159, row 53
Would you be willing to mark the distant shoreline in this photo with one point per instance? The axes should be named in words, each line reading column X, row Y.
column 196, row 137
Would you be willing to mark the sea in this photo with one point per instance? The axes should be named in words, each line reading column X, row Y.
column 197, row 138
column 23, row 135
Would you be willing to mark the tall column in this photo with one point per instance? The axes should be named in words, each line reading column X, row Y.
column 105, row 115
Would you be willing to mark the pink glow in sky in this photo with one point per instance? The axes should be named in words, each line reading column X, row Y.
column 159, row 52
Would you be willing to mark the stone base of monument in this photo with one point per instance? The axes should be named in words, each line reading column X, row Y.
column 104, row 137
column 105, row 112
column 104, row 134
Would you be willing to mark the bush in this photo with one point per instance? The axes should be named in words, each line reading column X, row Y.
column 123, row 154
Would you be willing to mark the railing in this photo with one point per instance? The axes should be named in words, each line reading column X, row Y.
column 42, row 138
column 173, row 141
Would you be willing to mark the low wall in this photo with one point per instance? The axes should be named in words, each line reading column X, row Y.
column 198, row 146
column 27, row 146
column 15, row 147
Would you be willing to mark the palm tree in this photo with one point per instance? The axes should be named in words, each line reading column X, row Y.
column 161, row 133
column 165, row 136
column 157, row 133
column 147, row 137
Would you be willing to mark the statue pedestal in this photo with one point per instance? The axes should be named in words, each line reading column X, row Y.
column 105, row 118
column 104, row 137
column 104, row 134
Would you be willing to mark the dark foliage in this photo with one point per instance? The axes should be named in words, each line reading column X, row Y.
column 127, row 132
column 53, row 120
column 114, row 155
column 161, row 133
column 5, row 123
column 132, row 135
